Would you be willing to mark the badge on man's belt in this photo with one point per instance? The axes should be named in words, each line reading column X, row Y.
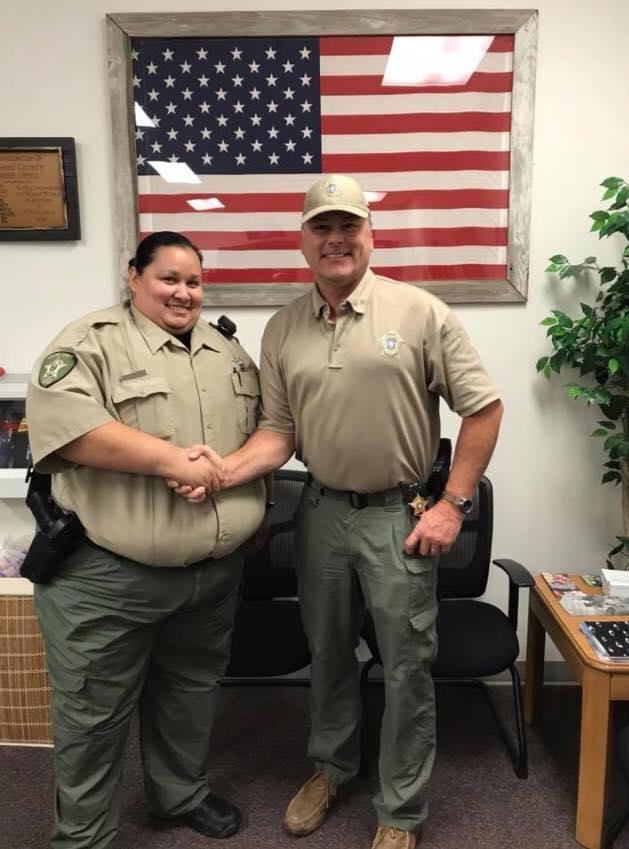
column 418, row 505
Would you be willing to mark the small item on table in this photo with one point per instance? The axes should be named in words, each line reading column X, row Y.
column 559, row 582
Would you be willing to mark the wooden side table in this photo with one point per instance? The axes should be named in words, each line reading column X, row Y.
column 601, row 683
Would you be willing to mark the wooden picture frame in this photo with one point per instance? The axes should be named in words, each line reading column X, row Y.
column 39, row 198
column 520, row 23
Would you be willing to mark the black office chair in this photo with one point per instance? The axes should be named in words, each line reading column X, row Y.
column 269, row 639
column 621, row 751
column 475, row 638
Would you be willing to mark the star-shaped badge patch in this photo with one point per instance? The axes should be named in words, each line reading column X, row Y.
column 55, row 367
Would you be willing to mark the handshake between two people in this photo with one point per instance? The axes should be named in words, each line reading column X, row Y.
column 203, row 471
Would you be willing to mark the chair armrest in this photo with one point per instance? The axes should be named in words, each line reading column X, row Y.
column 519, row 576
column 517, row 573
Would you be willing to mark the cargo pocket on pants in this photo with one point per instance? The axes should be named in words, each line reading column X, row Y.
column 69, row 699
column 422, row 596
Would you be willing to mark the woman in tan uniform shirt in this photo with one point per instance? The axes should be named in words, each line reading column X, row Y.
column 141, row 614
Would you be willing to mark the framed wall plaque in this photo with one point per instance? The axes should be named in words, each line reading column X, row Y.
column 39, row 199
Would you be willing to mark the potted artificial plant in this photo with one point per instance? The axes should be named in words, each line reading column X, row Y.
column 595, row 345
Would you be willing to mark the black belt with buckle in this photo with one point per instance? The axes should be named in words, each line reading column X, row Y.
column 403, row 493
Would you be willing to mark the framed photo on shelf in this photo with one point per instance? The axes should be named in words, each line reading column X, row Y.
column 14, row 447
column 221, row 121
column 15, row 454
column 39, row 199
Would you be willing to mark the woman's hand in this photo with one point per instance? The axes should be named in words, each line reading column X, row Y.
column 208, row 459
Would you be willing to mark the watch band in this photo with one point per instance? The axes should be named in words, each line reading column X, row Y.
column 463, row 504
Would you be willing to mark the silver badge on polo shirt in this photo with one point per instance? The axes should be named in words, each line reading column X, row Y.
column 390, row 343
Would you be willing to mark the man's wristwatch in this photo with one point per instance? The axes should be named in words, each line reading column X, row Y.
column 464, row 504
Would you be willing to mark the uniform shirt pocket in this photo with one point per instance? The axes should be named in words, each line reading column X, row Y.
column 145, row 405
column 247, row 388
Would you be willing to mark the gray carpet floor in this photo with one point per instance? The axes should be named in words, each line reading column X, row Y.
column 259, row 761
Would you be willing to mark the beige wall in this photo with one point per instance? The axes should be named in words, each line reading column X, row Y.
column 551, row 512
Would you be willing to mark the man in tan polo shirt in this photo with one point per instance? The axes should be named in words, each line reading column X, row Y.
column 140, row 615
column 351, row 377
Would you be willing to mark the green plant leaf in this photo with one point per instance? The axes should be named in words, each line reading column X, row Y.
column 614, row 409
column 570, row 271
column 623, row 194
column 557, row 360
column 611, row 477
column 599, row 431
column 562, row 318
column 612, row 182
column 618, row 222
column 596, row 396
column 608, row 273
column 556, row 331
column 595, row 342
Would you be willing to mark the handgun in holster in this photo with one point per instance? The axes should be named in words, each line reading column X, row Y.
column 440, row 470
column 421, row 495
column 58, row 532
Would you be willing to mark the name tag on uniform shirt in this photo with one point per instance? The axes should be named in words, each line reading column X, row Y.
column 132, row 375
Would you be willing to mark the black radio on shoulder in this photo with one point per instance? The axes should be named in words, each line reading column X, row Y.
column 225, row 326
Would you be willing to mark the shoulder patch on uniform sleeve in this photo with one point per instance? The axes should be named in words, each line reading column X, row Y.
column 55, row 367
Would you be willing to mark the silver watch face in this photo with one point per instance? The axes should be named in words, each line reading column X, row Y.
column 464, row 504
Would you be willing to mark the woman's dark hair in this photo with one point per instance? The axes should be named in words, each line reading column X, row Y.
column 148, row 247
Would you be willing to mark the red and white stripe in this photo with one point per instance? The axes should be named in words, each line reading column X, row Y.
column 438, row 158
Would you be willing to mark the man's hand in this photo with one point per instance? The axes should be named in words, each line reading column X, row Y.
column 210, row 465
column 435, row 531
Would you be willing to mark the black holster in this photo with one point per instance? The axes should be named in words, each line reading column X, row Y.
column 58, row 532
column 440, row 469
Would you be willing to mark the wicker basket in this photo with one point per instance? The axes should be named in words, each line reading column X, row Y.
column 24, row 688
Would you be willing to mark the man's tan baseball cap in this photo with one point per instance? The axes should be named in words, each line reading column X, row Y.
column 333, row 193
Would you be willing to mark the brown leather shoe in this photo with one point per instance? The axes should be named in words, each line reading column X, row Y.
column 308, row 809
column 388, row 837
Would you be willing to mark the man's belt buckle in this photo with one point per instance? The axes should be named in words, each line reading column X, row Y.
column 358, row 500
